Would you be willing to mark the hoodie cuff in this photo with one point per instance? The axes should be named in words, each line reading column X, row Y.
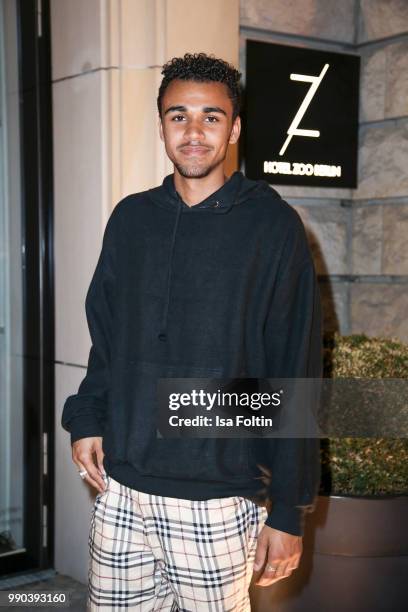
column 286, row 518
column 86, row 426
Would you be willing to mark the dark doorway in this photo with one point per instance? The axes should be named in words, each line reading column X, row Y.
column 26, row 289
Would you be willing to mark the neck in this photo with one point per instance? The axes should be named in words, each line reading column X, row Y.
column 195, row 190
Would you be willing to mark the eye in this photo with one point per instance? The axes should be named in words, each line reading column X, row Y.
column 177, row 117
column 212, row 117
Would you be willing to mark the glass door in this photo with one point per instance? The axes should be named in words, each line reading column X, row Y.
column 26, row 321
column 11, row 296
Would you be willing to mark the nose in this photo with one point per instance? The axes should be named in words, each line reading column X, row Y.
column 194, row 132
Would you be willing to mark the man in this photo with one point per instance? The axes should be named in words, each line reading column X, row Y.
column 203, row 276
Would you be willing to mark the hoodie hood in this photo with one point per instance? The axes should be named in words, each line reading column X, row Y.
column 236, row 190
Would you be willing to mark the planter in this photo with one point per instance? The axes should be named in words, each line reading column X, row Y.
column 355, row 558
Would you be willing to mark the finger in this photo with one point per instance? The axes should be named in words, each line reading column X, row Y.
column 85, row 456
column 81, row 468
column 272, row 581
column 87, row 477
column 93, row 476
column 99, row 458
column 293, row 562
column 282, row 569
column 268, row 573
column 267, row 577
column 260, row 555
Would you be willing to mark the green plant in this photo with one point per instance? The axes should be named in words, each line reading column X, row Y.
column 364, row 466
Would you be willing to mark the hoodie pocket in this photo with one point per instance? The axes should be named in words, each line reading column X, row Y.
column 136, row 443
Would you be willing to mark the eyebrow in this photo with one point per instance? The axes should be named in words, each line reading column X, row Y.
column 206, row 109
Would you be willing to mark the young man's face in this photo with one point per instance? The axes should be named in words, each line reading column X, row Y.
column 196, row 126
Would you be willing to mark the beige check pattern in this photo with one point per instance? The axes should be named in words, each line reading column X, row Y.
column 149, row 552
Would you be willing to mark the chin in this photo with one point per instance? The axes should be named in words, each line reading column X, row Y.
column 193, row 171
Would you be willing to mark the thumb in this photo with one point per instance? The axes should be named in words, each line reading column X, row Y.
column 260, row 555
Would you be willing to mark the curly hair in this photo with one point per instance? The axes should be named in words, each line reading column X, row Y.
column 201, row 67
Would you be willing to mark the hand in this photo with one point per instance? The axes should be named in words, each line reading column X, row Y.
column 278, row 549
column 82, row 456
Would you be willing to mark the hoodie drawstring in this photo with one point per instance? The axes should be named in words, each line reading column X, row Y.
column 162, row 334
column 214, row 207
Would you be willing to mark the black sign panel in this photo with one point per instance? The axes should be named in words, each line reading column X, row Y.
column 301, row 115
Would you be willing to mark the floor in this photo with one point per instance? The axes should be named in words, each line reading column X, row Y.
column 76, row 594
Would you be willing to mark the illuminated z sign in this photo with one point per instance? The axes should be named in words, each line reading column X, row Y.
column 293, row 128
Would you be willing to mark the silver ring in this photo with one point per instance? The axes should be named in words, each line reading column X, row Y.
column 270, row 568
column 82, row 473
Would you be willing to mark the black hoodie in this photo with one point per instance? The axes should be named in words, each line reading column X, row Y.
column 225, row 288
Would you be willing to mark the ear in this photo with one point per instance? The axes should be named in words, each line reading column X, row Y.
column 235, row 130
column 160, row 126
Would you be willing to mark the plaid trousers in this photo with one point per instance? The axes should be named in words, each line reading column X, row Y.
column 150, row 552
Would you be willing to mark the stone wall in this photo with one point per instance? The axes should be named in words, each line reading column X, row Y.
column 379, row 300
column 358, row 236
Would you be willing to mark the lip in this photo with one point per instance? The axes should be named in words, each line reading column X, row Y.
column 194, row 150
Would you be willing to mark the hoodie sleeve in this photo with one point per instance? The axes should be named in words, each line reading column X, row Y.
column 84, row 412
column 293, row 341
